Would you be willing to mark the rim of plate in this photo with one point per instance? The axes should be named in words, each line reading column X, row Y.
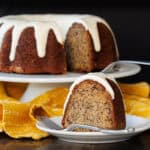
column 61, row 132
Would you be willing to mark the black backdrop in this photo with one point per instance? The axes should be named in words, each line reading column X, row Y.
column 129, row 21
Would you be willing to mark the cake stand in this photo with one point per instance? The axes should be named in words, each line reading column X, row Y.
column 40, row 83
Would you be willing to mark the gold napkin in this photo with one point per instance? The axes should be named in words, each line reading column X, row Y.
column 18, row 119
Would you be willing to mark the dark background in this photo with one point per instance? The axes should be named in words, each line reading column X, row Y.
column 129, row 21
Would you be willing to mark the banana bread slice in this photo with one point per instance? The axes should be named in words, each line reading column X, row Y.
column 97, row 101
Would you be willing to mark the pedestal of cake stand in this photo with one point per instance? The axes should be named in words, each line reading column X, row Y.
column 35, row 89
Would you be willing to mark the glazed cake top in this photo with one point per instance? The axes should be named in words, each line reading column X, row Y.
column 42, row 24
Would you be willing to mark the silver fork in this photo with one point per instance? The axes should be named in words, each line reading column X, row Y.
column 115, row 66
column 49, row 124
column 147, row 63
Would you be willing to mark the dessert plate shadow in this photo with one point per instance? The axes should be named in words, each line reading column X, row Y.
column 138, row 123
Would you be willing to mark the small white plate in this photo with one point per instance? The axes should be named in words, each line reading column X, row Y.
column 140, row 124
column 126, row 69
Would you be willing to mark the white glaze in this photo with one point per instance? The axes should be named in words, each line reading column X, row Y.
column 41, row 30
column 98, row 77
column 43, row 23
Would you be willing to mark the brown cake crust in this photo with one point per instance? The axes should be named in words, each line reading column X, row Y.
column 116, row 107
column 75, row 45
column 26, row 58
column 108, row 51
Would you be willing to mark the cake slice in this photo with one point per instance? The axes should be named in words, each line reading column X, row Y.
column 96, row 100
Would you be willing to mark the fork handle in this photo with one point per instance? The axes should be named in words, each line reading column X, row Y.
column 105, row 131
column 147, row 63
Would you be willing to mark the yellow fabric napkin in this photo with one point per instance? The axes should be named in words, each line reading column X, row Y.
column 18, row 119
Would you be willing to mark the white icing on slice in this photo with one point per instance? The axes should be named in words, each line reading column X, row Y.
column 100, row 78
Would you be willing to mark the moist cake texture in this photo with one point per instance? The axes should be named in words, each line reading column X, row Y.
column 91, row 103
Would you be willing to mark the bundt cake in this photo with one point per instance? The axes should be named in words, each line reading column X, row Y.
column 40, row 43
column 95, row 100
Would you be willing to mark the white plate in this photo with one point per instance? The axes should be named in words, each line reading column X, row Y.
column 127, row 69
column 140, row 125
